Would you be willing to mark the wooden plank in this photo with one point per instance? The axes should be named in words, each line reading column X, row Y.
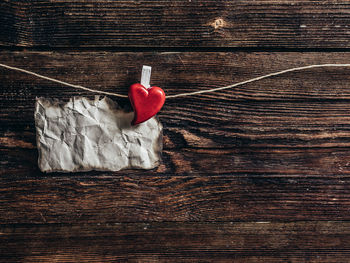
column 174, row 242
column 295, row 124
column 272, row 150
column 210, row 23
column 184, row 160
column 106, row 198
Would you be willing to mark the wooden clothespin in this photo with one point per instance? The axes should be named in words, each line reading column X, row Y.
column 146, row 76
column 145, row 100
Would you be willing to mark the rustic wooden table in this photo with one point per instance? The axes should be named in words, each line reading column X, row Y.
column 257, row 173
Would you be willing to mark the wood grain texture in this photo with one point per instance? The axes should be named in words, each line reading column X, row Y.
column 104, row 198
column 275, row 151
column 174, row 242
column 258, row 173
column 295, row 124
column 209, row 23
column 272, row 150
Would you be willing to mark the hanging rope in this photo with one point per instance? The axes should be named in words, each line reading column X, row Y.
column 180, row 94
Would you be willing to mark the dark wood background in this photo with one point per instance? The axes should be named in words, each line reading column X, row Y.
column 257, row 173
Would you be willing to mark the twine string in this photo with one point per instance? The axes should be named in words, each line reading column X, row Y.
column 180, row 94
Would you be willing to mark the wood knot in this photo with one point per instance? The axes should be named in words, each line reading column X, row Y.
column 218, row 23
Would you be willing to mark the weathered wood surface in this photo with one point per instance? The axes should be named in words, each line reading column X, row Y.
column 258, row 173
column 295, row 124
column 210, row 23
column 105, row 198
column 174, row 242
column 274, row 150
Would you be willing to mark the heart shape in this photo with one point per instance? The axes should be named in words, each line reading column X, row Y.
column 146, row 102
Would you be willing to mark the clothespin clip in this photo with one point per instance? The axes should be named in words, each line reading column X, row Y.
column 146, row 76
column 145, row 100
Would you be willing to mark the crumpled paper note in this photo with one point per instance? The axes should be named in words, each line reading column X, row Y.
column 84, row 135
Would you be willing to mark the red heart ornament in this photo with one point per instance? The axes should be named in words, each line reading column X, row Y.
column 146, row 102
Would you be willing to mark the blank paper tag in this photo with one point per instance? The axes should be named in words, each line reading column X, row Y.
column 84, row 135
